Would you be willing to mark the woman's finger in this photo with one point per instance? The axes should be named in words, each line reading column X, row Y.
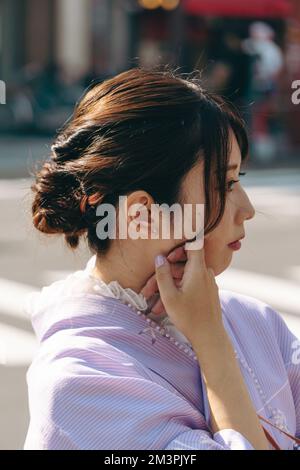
column 177, row 270
column 151, row 287
column 167, row 288
column 159, row 307
column 178, row 254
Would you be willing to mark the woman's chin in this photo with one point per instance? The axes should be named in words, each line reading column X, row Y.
column 220, row 268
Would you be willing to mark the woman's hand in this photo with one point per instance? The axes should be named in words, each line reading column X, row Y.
column 177, row 259
column 193, row 305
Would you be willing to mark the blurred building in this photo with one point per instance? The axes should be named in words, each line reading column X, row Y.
column 102, row 36
column 50, row 50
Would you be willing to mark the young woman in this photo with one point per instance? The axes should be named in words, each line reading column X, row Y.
column 142, row 355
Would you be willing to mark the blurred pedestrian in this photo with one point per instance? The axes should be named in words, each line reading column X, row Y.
column 267, row 67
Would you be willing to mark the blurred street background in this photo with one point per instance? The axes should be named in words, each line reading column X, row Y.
column 51, row 51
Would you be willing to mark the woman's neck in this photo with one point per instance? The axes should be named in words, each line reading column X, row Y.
column 130, row 271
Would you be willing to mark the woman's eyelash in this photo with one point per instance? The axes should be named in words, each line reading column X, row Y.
column 231, row 182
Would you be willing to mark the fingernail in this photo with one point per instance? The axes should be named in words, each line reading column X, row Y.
column 159, row 260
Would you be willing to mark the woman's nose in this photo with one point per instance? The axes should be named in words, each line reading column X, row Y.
column 251, row 212
column 246, row 209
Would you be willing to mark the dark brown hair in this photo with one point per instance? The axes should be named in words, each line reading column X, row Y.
column 138, row 130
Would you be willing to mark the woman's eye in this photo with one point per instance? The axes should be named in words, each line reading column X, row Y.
column 231, row 182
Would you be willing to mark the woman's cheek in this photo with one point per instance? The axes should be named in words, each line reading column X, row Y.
column 209, row 252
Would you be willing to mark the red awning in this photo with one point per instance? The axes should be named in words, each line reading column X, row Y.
column 241, row 8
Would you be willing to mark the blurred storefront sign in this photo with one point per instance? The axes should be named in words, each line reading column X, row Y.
column 254, row 8
column 153, row 4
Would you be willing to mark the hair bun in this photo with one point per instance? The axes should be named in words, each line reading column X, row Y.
column 56, row 204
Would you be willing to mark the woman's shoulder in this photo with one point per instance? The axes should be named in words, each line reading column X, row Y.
column 249, row 307
column 259, row 324
column 53, row 307
column 252, row 312
column 65, row 360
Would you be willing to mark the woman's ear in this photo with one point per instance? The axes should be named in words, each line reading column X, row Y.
column 139, row 205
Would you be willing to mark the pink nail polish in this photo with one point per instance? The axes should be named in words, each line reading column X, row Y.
column 159, row 260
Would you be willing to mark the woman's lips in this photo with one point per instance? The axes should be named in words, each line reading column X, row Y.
column 235, row 245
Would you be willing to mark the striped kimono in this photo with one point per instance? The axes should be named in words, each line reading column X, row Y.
column 108, row 377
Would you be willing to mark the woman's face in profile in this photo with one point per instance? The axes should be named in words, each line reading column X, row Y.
column 238, row 208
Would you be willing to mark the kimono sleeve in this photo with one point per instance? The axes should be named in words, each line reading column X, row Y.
column 290, row 349
column 99, row 410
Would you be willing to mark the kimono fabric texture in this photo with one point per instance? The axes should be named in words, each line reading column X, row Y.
column 109, row 374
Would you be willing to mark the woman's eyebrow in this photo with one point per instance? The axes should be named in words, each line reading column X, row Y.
column 230, row 167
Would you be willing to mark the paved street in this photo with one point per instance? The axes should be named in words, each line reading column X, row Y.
column 267, row 267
